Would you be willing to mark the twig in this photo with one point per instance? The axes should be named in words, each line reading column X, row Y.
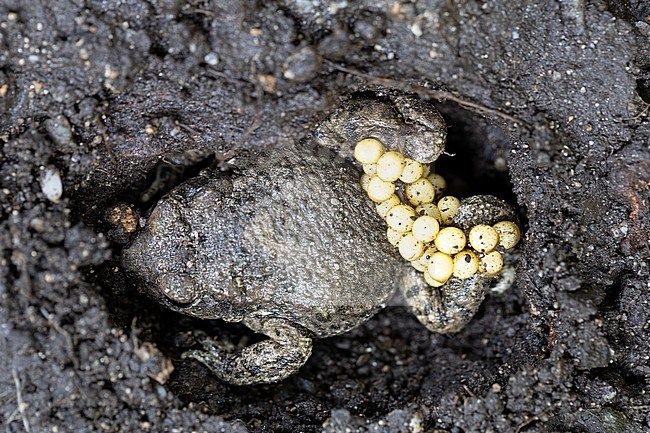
column 66, row 336
column 440, row 95
column 531, row 420
column 19, row 400
column 11, row 418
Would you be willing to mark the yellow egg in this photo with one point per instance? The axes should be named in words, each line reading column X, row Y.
column 450, row 240
column 400, row 218
column 370, row 169
column 417, row 265
column 419, row 192
column 412, row 171
column 385, row 206
column 425, row 228
column 390, row 166
column 368, row 151
column 423, row 261
column 465, row 264
column 509, row 234
column 440, row 267
column 430, row 281
column 439, row 183
column 379, row 190
column 394, row 236
column 365, row 180
column 429, row 209
column 492, row 263
column 410, row 248
column 483, row 238
column 448, row 206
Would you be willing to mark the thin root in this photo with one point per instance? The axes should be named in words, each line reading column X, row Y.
column 440, row 95
column 19, row 400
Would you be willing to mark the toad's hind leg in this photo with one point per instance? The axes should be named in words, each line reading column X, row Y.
column 450, row 307
column 447, row 308
column 272, row 360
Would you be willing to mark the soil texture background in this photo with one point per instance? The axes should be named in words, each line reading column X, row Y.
column 548, row 106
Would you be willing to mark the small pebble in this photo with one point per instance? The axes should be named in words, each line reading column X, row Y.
column 425, row 228
column 390, row 166
column 440, row 267
column 413, row 170
column 59, row 129
column 387, row 205
column 509, row 234
column 439, row 183
column 448, row 206
column 303, row 65
column 400, row 218
column 419, row 192
column 410, row 248
column 51, row 184
column 379, row 190
column 450, row 240
column 492, row 263
column 465, row 264
column 483, row 238
column 368, row 151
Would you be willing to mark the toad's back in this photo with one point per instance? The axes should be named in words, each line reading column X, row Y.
column 293, row 239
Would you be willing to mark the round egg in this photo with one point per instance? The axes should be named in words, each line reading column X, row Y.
column 390, row 166
column 429, row 209
column 386, row 205
column 423, row 261
column 483, row 238
column 509, row 234
column 368, row 151
column 448, row 206
column 365, row 180
column 370, row 169
column 492, row 263
column 394, row 236
column 465, row 264
column 413, row 170
column 425, row 228
column 419, row 192
column 440, row 267
column 439, row 183
column 410, row 248
column 400, row 218
column 379, row 190
column 450, row 240
column 431, row 281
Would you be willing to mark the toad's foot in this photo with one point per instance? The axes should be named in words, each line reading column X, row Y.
column 265, row 362
column 449, row 307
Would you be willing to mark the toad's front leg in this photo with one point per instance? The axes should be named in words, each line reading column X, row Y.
column 272, row 360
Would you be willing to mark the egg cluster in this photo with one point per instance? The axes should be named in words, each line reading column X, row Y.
column 419, row 223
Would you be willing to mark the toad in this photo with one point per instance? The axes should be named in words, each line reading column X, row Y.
column 288, row 244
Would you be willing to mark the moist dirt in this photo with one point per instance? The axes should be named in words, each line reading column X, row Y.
column 548, row 107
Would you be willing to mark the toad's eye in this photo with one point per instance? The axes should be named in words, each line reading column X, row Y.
column 178, row 291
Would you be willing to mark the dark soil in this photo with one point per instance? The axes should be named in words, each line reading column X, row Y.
column 548, row 105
